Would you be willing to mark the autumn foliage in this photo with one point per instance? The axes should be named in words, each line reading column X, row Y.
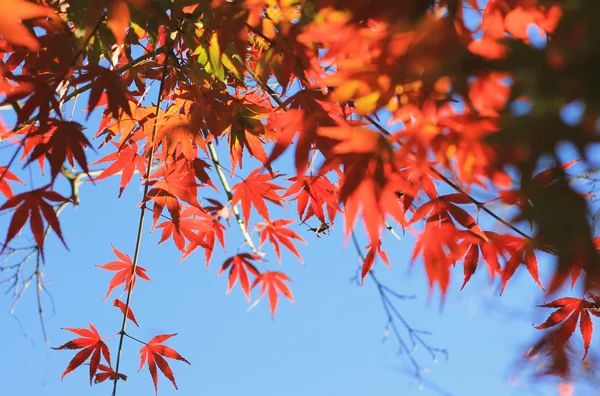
column 421, row 115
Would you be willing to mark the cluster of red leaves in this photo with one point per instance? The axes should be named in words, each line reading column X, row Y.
column 450, row 119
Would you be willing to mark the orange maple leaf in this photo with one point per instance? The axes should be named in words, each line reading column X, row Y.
column 13, row 12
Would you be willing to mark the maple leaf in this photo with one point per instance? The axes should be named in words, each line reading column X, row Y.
column 65, row 143
column 272, row 282
column 4, row 186
column 154, row 353
column 125, row 160
column 110, row 83
column 118, row 19
column 277, row 233
column 311, row 193
column 472, row 245
column 31, row 206
column 246, row 130
column 121, row 305
column 370, row 259
column 240, row 263
column 444, row 206
column 187, row 227
column 569, row 311
column 90, row 343
column 13, row 12
column 124, row 272
column 176, row 131
column 253, row 191
column 178, row 182
column 208, row 233
column 107, row 373
column 308, row 111
column 437, row 244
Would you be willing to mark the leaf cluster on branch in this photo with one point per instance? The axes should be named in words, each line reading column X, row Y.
column 398, row 114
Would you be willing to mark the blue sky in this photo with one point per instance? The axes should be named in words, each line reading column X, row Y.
column 328, row 343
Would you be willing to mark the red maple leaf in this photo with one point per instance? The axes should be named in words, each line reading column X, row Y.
column 4, row 186
column 441, row 208
column 253, row 191
column 124, row 273
column 370, row 259
column 239, row 265
column 107, row 372
column 65, row 143
column 153, row 353
column 208, row 235
column 125, row 160
column 437, row 242
column 121, row 305
column 272, row 282
column 178, row 182
column 31, row 206
column 277, row 233
column 108, row 83
column 569, row 311
column 92, row 344
column 311, row 193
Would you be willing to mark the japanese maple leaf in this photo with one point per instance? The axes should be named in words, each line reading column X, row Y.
column 187, row 228
column 13, row 12
column 106, row 82
column 308, row 111
column 176, row 131
column 272, row 282
column 178, row 182
column 124, row 272
column 277, row 233
column 107, row 373
column 90, row 343
column 118, row 17
column 121, row 305
column 569, row 311
column 370, row 183
column 437, row 244
column 471, row 246
column 209, row 238
column 524, row 254
column 247, row 130
column 374, row 248
column 6, row 176
column 31, row 206
column 125, row 160
column 240, row 264
column 155, row 353
column 65, row 143
column 311, row 193
column 253, row 191
column 446, row 205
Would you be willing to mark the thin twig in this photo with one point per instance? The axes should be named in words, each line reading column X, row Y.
column 142, row 216
column 393, row 314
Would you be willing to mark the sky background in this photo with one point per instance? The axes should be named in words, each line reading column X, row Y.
column 330, row 342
